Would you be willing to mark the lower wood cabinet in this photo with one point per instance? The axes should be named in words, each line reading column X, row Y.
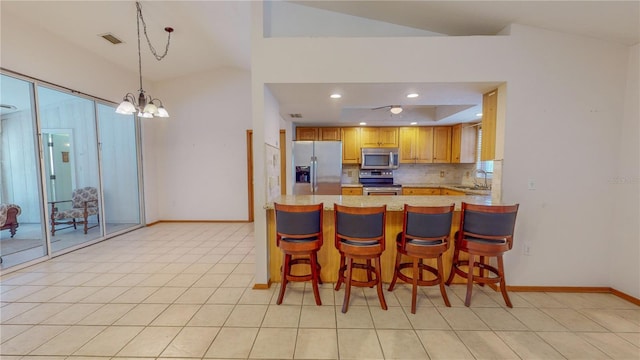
column 420, row 191
column 351, row 191
column 451, row 192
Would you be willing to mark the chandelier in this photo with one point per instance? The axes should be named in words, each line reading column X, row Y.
column 145, row 105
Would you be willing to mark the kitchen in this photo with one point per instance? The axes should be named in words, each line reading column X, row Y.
column 396, row 168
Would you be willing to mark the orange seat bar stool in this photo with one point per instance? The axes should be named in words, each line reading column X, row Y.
column 299, row 234
column 425, row 235
column 360, row 235
column 486, row 231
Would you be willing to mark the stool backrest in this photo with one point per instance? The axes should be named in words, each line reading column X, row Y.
column 299, row 221
column 489, row 221
column 428, row 222
column 360, row 224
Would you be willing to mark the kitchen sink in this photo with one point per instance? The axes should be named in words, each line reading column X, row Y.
column 465, row 187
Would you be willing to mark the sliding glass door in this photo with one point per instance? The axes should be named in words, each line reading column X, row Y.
column 69, row 171
column 21, row 218
column 119, row 159
column 69, row 139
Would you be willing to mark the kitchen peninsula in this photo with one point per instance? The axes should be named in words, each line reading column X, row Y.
column 329, row 257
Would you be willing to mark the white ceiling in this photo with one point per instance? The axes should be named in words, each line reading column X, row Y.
column 213, row 34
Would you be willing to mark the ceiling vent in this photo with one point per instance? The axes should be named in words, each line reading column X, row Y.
column 296, row 116
column 111, row 38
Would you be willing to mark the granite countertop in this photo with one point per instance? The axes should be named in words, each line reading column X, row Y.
column 394, row 203
column 456, row 187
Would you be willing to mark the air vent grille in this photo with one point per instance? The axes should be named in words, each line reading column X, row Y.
column 111, row 38
column 295, row 116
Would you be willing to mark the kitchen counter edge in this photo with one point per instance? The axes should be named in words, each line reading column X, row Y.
column 394, row 203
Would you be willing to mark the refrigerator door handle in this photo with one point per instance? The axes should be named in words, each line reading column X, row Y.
column 312, row 174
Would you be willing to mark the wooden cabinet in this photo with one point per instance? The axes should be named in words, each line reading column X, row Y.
column 442, row 144
column 425, row 145
column 451, row 192
column 350, row 145
column 329, row 134
column 379, row 137
column 416, row 145
column 420, row 191
column 463, row 143
column 351, row 191
column 315, row 134
column 306, row 134
column 489, row 118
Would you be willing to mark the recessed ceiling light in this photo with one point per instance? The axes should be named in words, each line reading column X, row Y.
column 363, row 123
column 412, row 95
column 336, row 96
column 414, row 123
column 479, row 114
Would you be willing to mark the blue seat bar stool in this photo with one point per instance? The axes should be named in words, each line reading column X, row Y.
column 360, row 235
column 425, row 235
column 486, row 231
column 299, row 237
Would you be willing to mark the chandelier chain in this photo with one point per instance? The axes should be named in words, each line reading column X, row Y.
column 144, row 28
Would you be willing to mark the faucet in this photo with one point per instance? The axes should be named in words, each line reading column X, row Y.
column 475, row 179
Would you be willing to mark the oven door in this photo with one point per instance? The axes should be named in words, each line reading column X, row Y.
column 381, row 191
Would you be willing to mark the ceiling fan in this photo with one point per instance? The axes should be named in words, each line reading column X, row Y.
column 394, row 109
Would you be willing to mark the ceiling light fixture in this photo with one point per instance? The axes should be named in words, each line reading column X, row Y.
column 412, row 95
column 363, row 123
column 336, row 96
column 414, row 123
column 479, row 114
column 396, row 109
column 146, row 106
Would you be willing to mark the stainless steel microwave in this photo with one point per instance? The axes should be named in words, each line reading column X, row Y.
column 379, row 158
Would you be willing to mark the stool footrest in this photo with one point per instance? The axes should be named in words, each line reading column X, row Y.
column 421, row 267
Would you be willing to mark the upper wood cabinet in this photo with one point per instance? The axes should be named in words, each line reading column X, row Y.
column 379, row 137
column 442, row 144
column 350, row 145
column 306, row 134
column 425, row 145
column 416, row 145
column 330, row 134
column 463, row 143
column 315, row 134
column 489, row 115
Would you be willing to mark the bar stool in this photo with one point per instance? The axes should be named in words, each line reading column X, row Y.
column 425, row 235
column 299, row 233
column 360, row 235
column 485, row 231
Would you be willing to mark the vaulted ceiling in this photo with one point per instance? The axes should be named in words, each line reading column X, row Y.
column 214, row 34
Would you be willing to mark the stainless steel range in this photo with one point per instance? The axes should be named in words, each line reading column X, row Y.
column 379, row 182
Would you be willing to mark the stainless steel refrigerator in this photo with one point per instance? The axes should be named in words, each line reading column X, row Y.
column 318, row 167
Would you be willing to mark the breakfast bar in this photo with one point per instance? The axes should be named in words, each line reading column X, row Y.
column 329, row 257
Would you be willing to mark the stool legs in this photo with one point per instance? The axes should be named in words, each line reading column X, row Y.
column 503, row 285
column 472, row 260
column 286, row 261
column 383, row 303
column 347, row 290
column 441, row 276
column 314, row 276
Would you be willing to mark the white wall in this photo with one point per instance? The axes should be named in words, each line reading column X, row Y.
column 563, row 118
column 625, row 242
column 202, row 156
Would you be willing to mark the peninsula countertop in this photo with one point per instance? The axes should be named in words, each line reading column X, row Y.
column 394, row 203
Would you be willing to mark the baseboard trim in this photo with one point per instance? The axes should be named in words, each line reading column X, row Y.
column 262, row 286
column 571, row 289
column 624, row 296
column 198, row 221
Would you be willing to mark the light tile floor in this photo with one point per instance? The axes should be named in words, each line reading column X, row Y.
column 184, row 291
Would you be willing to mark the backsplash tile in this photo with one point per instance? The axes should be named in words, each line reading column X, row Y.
column 420, row 174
